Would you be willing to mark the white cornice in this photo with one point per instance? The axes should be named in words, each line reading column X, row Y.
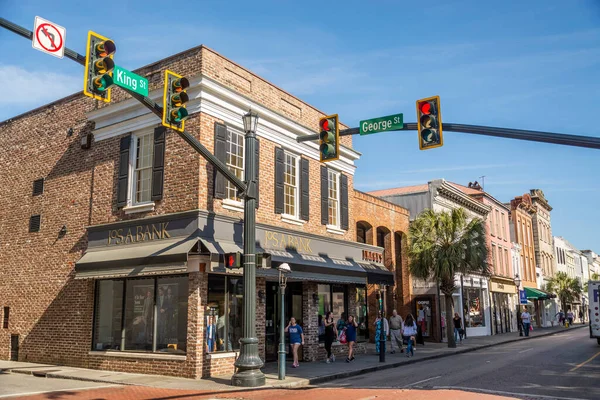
column 214, row 99
column 447, row 190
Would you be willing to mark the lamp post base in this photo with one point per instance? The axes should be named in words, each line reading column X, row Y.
column 248, row 365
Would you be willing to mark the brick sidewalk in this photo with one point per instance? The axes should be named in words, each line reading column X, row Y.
column 306, row 374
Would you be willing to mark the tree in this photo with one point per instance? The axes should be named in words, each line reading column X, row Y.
column 444, row 244
column 567, row 289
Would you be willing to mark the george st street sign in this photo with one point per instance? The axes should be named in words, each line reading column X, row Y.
column 382, row 124
column 128, row 80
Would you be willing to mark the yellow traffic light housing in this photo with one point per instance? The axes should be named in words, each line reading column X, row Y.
column 429, row 123
column 174, row 99
column 329, row 138
column 99, row 67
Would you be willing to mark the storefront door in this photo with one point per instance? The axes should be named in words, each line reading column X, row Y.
column 423, row 310
column 293, row 308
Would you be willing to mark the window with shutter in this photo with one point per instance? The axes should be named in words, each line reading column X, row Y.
column 279, row 180
column 38, row 187
column 35, row 222
column 333, row 198
column 235, row 161
column 304, row 190
column 324, row 195
column 291, row 183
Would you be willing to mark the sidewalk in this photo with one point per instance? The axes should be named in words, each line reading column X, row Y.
column 306, row 374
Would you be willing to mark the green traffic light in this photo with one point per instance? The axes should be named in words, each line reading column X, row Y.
column 429, row 136
column 102, row 83
column 179, row 114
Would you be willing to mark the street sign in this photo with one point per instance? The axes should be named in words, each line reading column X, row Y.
column 522, row 297
column 381, row 124
column 128, row 80
column 49, row 37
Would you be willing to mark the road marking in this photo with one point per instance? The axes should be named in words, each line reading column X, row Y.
column 526, row 350
column 2, row 396
column 424, row 380
column 541, row 396
column 585, row 362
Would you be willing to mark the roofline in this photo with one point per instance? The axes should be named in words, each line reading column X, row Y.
column 382, row 199
column 483, row 193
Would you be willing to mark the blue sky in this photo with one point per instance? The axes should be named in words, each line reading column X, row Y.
column 529, row 65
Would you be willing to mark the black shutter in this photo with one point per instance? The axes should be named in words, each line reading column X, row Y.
column 344, row 202
column 304, row 190
column 35, row 221
column 123, row 177
column 221, row 154
column 38, row 187
column 324, row 196
column 158, row 167
column 257, row 175
column 279, row 177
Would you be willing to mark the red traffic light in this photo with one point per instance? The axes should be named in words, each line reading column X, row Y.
column 425, row 108
column 324, row 124
column 231, row 260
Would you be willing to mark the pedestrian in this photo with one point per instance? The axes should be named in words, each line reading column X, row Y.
column 526, row 320
column 408, row 333
column 381, row 325
column 581, row 317
column 457, row 320
column 330, row 336
column 561, row 317
column 341, row 323
column 570, row 317
column 296, row 338
column 396, row 325
column 351, row 326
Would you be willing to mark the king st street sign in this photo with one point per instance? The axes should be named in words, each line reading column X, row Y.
column 381, row 124
column 128, row 80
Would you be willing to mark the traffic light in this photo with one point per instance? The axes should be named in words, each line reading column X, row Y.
column 98, row 67
column 429, row 122
column 174, row 99
column 329, row 143
column 233, row 260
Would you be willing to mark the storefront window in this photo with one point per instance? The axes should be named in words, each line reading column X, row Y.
column 362, row 333
column 331, row 298
column 142, row 331
column 109, row 305
column 225, row 315
column 473, row 306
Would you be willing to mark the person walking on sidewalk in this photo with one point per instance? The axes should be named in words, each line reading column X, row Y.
column 561, row 317
column 330, row 335
column 408, row 333
column 457, row 320
column 526, row 319
column 570, row 317
column 296, row 338
column 351, row 326
column 381, row 324
column 396, row 325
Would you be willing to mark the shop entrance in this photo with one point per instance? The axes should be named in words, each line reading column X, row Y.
column 293, row 308
column 423, row 313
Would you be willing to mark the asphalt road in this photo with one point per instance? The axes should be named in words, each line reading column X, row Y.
column 12, row 385
column 563, row 366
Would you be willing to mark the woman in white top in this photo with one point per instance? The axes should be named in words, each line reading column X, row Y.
column 408, row 333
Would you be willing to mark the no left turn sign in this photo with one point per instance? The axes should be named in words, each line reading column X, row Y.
column 49, row 37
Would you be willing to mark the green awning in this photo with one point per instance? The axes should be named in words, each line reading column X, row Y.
column 536, row 294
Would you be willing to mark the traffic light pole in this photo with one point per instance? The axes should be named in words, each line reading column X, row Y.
column 249, row 362
column 519, row 134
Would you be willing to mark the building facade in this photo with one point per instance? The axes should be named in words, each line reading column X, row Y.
column 114, row 229
column 472, row 298
column 503, row 292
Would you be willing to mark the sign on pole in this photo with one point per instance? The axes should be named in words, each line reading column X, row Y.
column 382, row 124
column 131, row 81
column 49, row 37
column 522, row 297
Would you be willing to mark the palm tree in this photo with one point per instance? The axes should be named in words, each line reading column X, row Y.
column 566, row 288
column 444, row 244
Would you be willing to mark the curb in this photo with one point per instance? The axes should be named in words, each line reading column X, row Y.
column 348, row 374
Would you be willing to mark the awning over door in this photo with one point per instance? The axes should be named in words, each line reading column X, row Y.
column 156, row 257
column 536, row 294
column 378, row 274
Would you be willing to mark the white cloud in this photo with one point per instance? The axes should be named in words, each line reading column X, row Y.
column 31, row 88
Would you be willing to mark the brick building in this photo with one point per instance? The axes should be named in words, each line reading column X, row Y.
column 112, row 229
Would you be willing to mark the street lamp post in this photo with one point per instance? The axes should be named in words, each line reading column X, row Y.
column 517, row 281
column 283, row 269
column 249, row 363
column 382, row 331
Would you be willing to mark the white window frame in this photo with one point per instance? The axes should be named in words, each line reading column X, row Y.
column 132, row 205
column 337, row 177
column 229, row 203
column 296, row 160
